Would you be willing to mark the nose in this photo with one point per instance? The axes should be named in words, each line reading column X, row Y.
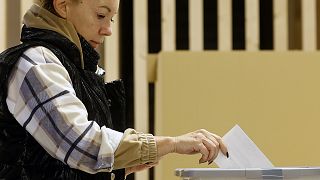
column 106, row 30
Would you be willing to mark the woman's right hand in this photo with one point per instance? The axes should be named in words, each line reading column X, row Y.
column 200, row 141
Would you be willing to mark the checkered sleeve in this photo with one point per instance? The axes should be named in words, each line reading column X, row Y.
column 43, row 101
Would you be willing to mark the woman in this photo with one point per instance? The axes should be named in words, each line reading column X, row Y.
column 58, row 119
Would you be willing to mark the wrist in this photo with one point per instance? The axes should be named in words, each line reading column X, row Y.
column 165, row 145
column 174, row 144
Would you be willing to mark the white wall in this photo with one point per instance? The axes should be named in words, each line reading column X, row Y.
column 25, row 5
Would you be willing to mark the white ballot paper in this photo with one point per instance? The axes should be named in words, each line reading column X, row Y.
column 243, row 153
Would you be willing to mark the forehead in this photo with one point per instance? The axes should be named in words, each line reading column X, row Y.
column 110, row 5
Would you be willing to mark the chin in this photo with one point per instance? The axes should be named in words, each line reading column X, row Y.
column 95, row 46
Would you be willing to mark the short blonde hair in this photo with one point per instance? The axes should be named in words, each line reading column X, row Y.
column 48, row 5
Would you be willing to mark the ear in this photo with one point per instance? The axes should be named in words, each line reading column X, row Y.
column 60, row 6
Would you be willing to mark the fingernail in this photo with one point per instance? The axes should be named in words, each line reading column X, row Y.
column 227, row 154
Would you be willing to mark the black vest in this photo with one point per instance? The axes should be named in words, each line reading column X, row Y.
column 21, row 157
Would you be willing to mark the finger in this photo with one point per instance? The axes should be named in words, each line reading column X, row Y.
column 222, row 145
column 150, row 165
column 204, row 151
column 217, row 146
column 217, row 150
column 140, row 167
column 128, row 171
column 210, row 136
column 212, row 148
column 215, row 153
column 213, row 139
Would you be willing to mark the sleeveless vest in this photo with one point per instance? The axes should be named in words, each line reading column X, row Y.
column 21, row 157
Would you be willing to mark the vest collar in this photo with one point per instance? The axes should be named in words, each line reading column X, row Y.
column 38, row 17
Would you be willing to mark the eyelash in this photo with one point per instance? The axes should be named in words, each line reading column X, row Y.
column 103, row 16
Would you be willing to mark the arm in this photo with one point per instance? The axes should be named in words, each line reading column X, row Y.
column 43, row 101
column 200, row 141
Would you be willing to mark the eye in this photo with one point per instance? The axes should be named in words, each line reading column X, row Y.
column 100, row 16
column 112, row 20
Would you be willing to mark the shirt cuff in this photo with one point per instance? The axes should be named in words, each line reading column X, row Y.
column 114, row 137
column 148, row 148
column 135, row 149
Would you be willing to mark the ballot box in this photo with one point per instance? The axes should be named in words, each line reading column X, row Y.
column 290, row 173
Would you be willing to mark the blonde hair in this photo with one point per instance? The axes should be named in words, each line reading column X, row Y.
column 48, row 5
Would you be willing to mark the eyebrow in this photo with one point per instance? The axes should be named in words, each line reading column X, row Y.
column 104, row 6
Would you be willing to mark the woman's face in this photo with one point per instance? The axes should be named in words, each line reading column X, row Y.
column 92, row 18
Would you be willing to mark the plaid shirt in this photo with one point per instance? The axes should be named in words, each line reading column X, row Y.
column 43, row 101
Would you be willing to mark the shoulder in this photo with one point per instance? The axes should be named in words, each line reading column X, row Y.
column 40, row 55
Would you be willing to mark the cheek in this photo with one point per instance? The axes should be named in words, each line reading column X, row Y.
column 92, row 29
column 92, row 26
column 87, row 30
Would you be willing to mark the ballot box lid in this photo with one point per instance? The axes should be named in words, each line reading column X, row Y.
column 249, row 173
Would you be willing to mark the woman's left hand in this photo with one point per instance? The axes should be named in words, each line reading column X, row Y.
column 141, row 167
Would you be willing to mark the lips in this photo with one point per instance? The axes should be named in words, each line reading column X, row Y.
column 95, row 44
